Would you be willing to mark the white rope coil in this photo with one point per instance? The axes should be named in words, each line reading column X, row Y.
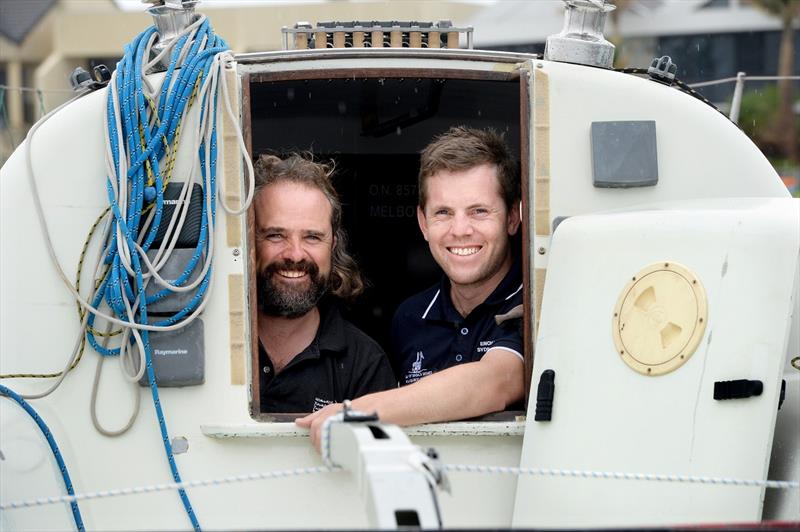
column 615, row 475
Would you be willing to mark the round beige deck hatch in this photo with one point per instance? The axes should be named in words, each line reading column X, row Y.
column 659, row 318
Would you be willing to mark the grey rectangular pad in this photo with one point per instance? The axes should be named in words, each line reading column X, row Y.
column 624, row 154
column 178, row 356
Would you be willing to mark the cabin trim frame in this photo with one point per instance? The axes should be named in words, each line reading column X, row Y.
column 520, row 74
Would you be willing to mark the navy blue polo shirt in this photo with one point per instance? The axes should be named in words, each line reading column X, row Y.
column 429, row 334
column 341, row 363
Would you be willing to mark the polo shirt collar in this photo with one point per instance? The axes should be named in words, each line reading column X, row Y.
column 329, row 338
column 441, row 306
column 508, row 287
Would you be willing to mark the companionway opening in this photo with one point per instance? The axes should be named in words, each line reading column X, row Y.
column 374, row 127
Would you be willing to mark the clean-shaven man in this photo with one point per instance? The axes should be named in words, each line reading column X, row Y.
column 452, row 359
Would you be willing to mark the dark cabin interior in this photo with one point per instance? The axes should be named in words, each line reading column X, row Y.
column 374, row 128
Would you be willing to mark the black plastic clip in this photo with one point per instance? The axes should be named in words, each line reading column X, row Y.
column 663, row 70
column 354, row 416
column 782, row 396
column 80, row 79
column 738, row 389
column 544, row 396
column 102, row 75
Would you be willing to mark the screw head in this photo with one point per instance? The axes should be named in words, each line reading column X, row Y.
column 236, row 252
column 541, row 250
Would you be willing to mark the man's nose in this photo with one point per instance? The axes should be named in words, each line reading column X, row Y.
column 294, row 250
column 461, row 225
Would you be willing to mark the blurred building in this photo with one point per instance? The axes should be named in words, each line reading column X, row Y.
column 707, row 39
column 42, row 41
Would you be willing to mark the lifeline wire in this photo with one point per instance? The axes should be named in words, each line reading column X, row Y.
column 76, row 512
column 325, row 450
column 688, row 479
column 287, row 473
column 615, row 475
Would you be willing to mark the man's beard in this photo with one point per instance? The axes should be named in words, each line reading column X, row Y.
column 282, row 299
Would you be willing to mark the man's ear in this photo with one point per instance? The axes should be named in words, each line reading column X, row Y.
column 514, row 217
column 423, row 223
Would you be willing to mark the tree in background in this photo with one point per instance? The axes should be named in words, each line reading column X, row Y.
column 758, row 116
column 783, row 130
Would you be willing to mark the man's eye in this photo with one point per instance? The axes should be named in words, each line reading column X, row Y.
column 313, row 238
column 481, row 211
column 441, row 212
column 274, row 237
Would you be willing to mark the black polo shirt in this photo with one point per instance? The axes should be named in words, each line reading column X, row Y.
column 341, row 363
column 429, row 334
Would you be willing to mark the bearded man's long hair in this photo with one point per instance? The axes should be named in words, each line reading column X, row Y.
column 346, row 281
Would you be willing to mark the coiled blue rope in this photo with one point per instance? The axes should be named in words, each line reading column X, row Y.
column 146, row 137
column 76, row 512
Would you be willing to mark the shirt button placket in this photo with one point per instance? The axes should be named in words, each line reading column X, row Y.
column 461, row 343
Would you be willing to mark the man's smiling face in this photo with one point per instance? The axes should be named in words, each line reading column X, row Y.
column 467, row 225
column 294, row 242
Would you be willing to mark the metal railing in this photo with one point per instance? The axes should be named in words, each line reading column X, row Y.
column 739, row 79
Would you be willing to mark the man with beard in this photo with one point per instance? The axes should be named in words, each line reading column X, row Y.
column 309, row 356
column 453, row 360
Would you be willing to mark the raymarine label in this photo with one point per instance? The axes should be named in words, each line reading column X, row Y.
column 170, row 352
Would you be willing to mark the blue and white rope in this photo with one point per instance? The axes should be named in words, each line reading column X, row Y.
column 51, row 441
column 138, row 140
column 135, row 138
column 222, row 61
column 130, row 125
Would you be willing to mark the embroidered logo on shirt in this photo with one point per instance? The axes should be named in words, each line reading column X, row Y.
column 417, row 365
column 319, row 404
column 417, row 371
column 484, row 345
